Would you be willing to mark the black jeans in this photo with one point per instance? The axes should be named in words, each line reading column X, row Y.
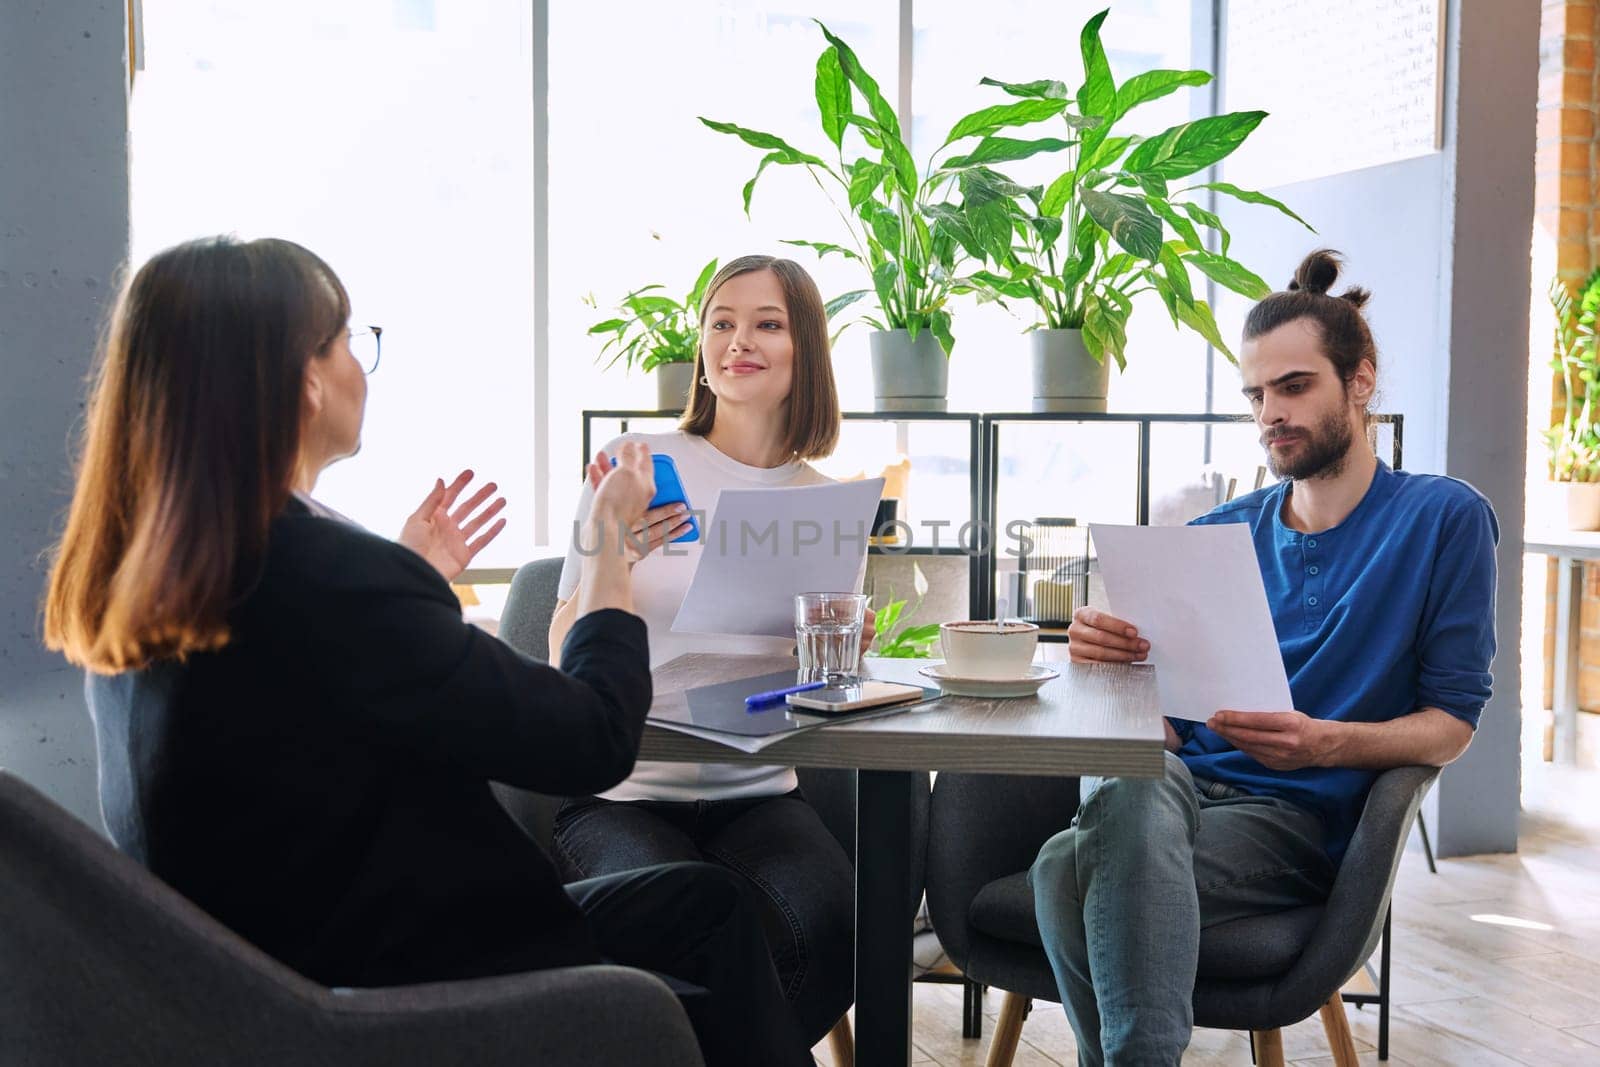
column 700, row 924
column 777, row 844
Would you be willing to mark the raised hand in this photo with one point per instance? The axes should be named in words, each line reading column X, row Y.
column 647, row 530
column 621, row 494
column 446, row 533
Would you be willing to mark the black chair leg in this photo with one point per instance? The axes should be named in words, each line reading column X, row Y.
column 971, row 1009
column 1383, row 984
column 1427, row 845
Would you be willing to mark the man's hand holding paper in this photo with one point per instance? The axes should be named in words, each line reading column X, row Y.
column 1196, row 595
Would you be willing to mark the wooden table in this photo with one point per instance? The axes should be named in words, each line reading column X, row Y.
column 1095, row 719
column 1570, row 548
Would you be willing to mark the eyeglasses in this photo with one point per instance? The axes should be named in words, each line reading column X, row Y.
column 366, row 344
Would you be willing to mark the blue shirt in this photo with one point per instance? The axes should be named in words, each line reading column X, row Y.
column 1386, row 613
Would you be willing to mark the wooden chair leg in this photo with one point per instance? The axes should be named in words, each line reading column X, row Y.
column 1008, row 1030
column 842, row 1043
column 1269, row 1048
column 1337, row 1027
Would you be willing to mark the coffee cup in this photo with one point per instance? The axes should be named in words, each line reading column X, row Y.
column 988, row 649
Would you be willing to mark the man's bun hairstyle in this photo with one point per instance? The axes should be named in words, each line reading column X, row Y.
column 1317, row 273
column 1346, row 337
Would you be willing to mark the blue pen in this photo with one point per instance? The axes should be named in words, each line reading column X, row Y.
column 760, row 700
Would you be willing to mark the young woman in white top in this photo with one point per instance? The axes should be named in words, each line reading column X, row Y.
column 762, row 404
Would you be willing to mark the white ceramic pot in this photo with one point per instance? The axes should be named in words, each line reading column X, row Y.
column 1582, row 499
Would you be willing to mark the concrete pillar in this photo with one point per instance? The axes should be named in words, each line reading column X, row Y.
column 63, row 237
column 1492, row 67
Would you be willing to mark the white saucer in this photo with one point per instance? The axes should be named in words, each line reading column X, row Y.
column 1025, row 686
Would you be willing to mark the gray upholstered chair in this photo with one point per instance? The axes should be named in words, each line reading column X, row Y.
column 525, row 621
column 101, row 962
column 525, row 626
column 1257, row 974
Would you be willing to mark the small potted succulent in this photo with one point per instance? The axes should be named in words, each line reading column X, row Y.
column 1574, row 443
column 657, row 334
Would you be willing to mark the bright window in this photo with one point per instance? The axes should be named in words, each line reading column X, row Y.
column 391, row 137
column 642, row 193
column 396, row 139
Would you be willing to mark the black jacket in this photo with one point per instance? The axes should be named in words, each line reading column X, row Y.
column 321, row 784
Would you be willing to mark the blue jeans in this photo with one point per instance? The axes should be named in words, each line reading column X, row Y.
column 1121, row 898
column 803, row 880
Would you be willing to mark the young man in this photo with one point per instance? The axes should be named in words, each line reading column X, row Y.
column 1381, row 586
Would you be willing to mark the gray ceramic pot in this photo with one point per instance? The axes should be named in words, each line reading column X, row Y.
column 672, row 385
column 1065, row 376
column 908, row 375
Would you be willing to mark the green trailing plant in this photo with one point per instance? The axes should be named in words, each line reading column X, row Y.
column 1575, row 444
column 902, row 226
column 896, row 637
column 1111, row 225
column 653, row 328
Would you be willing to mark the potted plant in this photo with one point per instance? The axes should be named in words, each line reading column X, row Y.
column 1574, row 444
column 900, row 227
column 657, row 333
column 896, row 637
column 1111, row 227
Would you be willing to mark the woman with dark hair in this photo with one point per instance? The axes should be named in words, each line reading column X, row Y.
column 296, row 729
column 763, row 402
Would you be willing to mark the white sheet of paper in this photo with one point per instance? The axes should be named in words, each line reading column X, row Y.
column 762, row 546
column 1196, row 595
column 738, row 742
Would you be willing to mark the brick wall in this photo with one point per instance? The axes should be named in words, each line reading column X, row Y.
column 1567, row 208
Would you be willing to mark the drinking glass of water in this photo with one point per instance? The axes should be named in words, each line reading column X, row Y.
column 827, row 631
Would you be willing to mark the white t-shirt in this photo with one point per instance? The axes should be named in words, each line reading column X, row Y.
column 660, row 582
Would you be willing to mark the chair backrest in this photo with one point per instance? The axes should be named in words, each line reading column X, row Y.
column 1352, row 921
column 525, row 622
column 102, row 962
column 1360, row 895
column 983, row 827
column 525, row 626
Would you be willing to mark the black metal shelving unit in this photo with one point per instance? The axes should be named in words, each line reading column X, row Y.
column 977, row 563
column 984, row 453
column 992, row 451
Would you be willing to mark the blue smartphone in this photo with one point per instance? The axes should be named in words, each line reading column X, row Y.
column 669, row 490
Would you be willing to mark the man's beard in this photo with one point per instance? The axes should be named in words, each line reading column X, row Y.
column 1322, row 450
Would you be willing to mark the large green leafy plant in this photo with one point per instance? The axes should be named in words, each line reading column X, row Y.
column 1575, row 444
column 901, row 224
column 1111, row 225
column 652, row 328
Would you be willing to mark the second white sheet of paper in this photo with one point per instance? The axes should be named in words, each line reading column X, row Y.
column 1196, row 595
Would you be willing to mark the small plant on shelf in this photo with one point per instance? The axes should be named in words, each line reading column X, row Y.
column 653, row 328
column 1574, row 443
column 897, row 638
